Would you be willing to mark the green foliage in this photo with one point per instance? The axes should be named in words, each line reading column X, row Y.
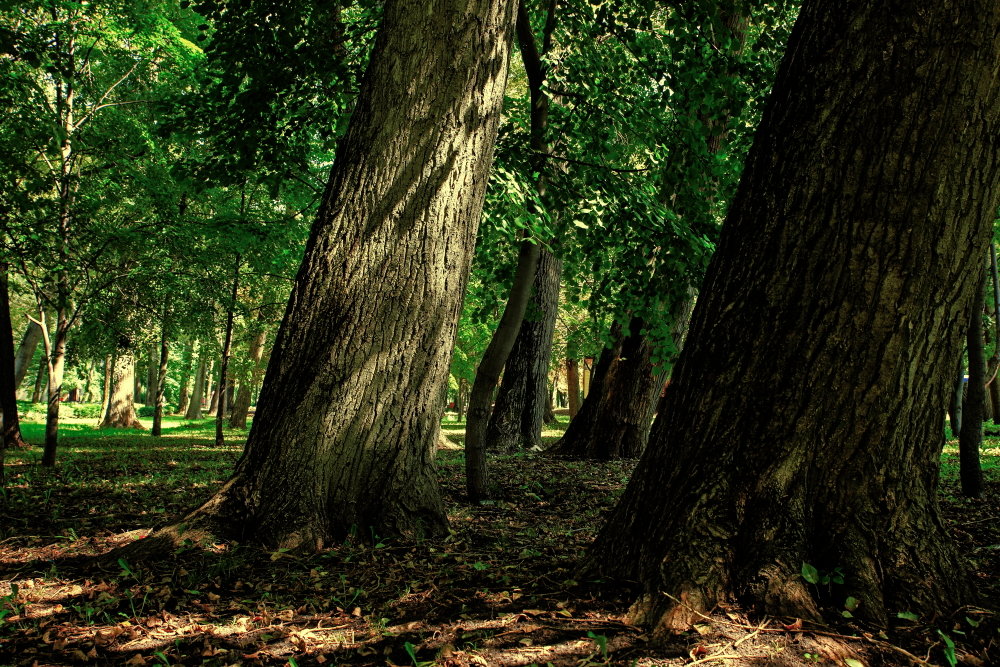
column 87, row 411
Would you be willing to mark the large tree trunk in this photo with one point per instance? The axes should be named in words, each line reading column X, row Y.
column 804, row 413
column 519, row 410
column 121, row 408
column 351, row 406
column 241, row 406
column 971, row 436
column 8, row 387
column 26, row 352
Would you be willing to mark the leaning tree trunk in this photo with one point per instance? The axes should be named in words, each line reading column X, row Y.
column 970, row 470
column 849, row 271
column 519, row 410
column 121, row 408
column 351, row 405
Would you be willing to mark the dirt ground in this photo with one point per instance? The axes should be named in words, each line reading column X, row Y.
column 500, row 590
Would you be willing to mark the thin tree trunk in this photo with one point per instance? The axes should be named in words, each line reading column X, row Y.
column 488, row 373
column 26, row 352
column 152, row 372
column 56, row 354
column 194, row 408
column 971, row 436
column 161, row 377
column 227, row 345
column 187, row 360
column 351, row 406
column 211, row 397
column 40, row 376
column 956, row 398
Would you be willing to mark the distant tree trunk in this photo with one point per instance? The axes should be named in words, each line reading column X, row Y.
column 194, row 408
column 8, row 389
column 227, row 347
column 56, row 354
column 573, row 387
column 121, row 408
column 827, row 269
column 161, row 377
column 187, row 359
column 971, row 437
column 152, row 372
column 106, row 387
column 26, row 352
column 350, row 410
column 619, row 409
column 956, row 398
column 241, row 406
column 519, row 411
column 549, row 417
column 36, row 392
column 463, row 393
column 211, row 398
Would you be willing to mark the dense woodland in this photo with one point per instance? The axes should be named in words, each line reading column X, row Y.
column 498, row 332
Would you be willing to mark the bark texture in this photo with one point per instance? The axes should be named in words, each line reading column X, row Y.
column 616, row 415
column 840, row 287
column 573, row 387
column 198, row 392
column 519, row 409
column 351, row 405
column 241, row 405
column 121, row 408
column 971, row 436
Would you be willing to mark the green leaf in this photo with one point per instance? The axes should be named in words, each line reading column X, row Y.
column 949, row 649
column 851, row 603
column 972, row 622
column 810, row 573
column 851, row 662
column 908, row 616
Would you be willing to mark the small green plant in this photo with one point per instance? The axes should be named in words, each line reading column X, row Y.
column 949, row 649
column 412, row 652
column 601, row 641
column 822, row 578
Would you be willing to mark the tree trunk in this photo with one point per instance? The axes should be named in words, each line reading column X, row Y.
column 851, row 268
column 194, row 407
column 106, row 385
column 957, row 397
column 121, row 408
column 516, row 421
column 573, row 387
column 183, row 395
column 210, row 398
column 222, row 392
column 161, row 377
column 8, row 388
column 56, row 354
column 40, row 376
column 619, row 409
column 26, row 352
column 241, row 406
column 351, row 405
column 971, row 436
column 152, row 372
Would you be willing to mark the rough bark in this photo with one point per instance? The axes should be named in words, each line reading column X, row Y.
column 851, row 268
column 121, row 408
column 971, row 436
column 351, row 405
column 519, row 410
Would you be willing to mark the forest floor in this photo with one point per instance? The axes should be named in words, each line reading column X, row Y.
column 500, row 590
